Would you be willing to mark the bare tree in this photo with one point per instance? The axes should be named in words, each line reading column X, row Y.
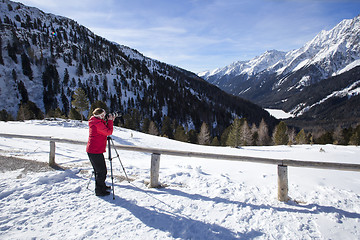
column 204, row 135
column 263, row 138
column 246, row 136
column 292, row 135
column 153, row 129
column 338, row 136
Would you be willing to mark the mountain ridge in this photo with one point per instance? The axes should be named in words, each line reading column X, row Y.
column 328, row 54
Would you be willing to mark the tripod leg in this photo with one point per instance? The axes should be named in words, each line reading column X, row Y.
column 87, row 187
column 110, row 159
column 112, row 179
column 118, row 156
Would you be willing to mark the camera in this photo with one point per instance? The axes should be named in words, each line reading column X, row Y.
column 114, row 114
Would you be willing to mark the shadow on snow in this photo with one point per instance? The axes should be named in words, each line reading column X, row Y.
column 178, row 225
column 181, row 226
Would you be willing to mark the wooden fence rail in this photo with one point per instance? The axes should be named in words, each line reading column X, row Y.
column 156, row 153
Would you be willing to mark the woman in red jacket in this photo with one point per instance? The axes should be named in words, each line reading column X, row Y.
column 99, row 129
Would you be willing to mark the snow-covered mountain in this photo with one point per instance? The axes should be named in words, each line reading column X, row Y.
column 274, row 78
column 246, row 68
column 44, row 58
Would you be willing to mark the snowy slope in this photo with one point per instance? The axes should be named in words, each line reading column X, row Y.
column 204, row 199
column 53, row 23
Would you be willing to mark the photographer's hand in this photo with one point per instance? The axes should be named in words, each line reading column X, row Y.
column 111, row 117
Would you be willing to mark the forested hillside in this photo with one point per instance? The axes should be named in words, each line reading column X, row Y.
column 44, row 58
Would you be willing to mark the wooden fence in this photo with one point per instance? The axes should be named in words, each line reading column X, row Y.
column 156, row 153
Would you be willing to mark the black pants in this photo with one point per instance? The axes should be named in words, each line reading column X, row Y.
column 98, row 163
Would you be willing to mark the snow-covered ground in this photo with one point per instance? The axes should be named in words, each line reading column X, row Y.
column 203, row 198
column 279, row 114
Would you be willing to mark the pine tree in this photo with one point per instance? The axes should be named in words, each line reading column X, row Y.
column 326, row 137
column 180, row 134
column 14, row 75
column 23, row 92
column 58, row 113
column 28, row 111
column 66, row 77
column 347, row 133
column 105, row 84
column 65, row 102
column 225, row 135
column 5, row 116
column 166, row 129
column 301, row 137
column 355, row 138
column 26, row 66
column 12, row 52
column 79, row 70
column 310, row 138
column 50, row 79
column 132, row 119
column 280, row 136
column 73, row 114
column 145, row 125
column 1, row 57
column 234, row 137
column 204, row 135
column 215, row 142
column 80, row 102
column 192, row 136
column 10, row 7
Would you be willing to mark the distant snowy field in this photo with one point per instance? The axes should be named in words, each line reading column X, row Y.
column 278, row 113
column 204, row 199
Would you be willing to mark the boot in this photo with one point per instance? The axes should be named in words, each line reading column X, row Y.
column 101, row 193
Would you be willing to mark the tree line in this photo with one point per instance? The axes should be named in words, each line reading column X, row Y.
column 239, row 133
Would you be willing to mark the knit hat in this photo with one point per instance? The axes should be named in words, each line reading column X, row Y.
column 98, row 112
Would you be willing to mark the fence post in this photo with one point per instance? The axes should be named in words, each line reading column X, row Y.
column 154, row 170
column 52, row 154
column 283, row 187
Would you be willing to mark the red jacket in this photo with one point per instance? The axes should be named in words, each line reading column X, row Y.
column 98, row 132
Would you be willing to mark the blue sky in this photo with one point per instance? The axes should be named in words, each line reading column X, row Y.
column 203, row 35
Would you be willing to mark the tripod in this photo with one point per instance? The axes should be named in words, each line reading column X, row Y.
column 111, row 143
